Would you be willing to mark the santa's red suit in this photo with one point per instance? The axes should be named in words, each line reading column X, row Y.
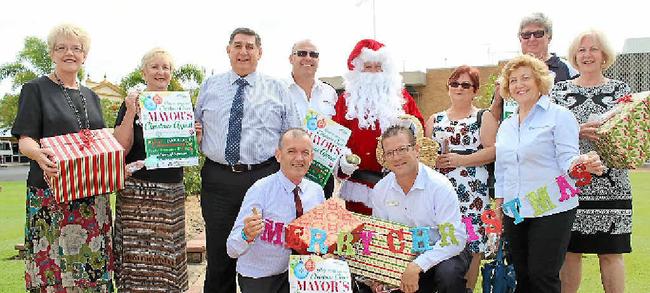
column 363, row 140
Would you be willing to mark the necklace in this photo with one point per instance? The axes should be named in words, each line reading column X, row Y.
column 72, row 106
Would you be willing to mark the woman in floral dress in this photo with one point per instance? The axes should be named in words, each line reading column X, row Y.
column 68, row 244
column 467, row 145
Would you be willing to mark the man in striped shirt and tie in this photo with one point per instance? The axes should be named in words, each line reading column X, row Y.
column 243, row 114
column 262, row 257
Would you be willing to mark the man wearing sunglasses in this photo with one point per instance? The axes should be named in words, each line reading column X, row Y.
column 306, row 91
column 374, row 99
column 535, row 34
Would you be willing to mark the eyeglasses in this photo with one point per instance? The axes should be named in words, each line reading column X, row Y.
column 302, row 53
column 63, row 49
column 537, row 34
column 465, row 85
column 398, row 151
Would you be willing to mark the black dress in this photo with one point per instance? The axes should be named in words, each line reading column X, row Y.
column 68, row 244
column 603, row 222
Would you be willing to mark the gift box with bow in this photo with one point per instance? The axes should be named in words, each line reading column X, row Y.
column 90, row 163
column 625, row 134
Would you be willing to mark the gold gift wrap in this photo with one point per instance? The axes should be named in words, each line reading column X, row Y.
column 382, row 264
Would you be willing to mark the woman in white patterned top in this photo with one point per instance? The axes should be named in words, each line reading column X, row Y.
column 470, row 147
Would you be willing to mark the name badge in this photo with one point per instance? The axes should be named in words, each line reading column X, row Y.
column 392, row 203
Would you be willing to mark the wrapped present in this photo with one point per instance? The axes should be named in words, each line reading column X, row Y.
column 330, row 217
column 625, row 134
column 388, row 255
column 91, row 162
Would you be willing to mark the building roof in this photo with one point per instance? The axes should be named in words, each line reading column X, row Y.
column 106, row 90
column 636, row 45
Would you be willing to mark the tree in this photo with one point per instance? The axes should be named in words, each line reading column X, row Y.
column 484, row 100
column 31, row 62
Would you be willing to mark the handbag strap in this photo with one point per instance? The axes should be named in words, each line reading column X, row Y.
column 500, row 250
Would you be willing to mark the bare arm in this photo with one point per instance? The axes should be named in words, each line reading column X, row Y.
column 428, row 127
column 124, row 132
column 484, row 156
column 30, row 148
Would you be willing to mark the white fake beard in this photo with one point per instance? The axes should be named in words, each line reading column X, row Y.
column 374, row 96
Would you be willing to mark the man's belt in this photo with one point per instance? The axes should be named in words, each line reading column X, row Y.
column 367, row 176
column 238, row 168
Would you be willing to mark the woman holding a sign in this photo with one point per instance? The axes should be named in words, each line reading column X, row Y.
column 68, row 242
column 150, row 210
column 535, row 149
column 467, row 137
column 604, row 219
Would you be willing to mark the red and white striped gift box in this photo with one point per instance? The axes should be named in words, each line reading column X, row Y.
column 86, row 169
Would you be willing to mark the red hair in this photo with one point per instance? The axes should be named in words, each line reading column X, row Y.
column 471, row 71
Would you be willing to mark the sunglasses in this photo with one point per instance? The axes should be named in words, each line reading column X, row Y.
column 537, row 34
column 464, row 85
column 302, row 53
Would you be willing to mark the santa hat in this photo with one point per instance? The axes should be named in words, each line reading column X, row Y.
column 368, row 50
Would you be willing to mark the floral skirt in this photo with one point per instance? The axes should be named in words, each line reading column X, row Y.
column 68, row 244
column 150, row 237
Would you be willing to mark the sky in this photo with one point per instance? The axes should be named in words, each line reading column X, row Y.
column 420, row 34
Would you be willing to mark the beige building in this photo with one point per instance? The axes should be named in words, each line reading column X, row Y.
column 106, row 90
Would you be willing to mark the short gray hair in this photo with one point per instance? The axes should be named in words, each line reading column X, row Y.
column 248, row 32
column 66, row 30
column 294, row 132
column 540, row 19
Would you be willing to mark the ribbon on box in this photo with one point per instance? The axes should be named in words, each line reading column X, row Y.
column 87, row 138
column 91, row 162
column 624, row 99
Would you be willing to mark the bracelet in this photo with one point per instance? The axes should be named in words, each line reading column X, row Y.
column 243, row 236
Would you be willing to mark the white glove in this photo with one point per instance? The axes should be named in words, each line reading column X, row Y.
column 346, row 167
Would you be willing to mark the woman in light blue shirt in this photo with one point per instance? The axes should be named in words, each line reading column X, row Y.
column 535, row 149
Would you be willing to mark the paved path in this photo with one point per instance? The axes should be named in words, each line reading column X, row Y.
column 13, row 172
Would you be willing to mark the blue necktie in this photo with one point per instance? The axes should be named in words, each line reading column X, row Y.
column 234, row 123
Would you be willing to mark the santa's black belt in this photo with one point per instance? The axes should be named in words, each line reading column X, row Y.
column 367, row 176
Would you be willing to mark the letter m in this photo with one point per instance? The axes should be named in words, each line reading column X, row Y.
column 540, row 201
column 272, row 231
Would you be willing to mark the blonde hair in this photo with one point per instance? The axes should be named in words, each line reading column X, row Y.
column 156, row 52
column 599, row 37
column 543, row 78
column 67, row 30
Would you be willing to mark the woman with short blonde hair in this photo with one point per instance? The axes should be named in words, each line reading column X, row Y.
column 589, row 96
column 151, row 201
column 533, row 147
column 68, row 244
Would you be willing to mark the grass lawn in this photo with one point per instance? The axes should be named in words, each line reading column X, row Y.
column 12, row 221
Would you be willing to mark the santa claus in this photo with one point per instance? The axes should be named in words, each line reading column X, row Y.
column 373, row 100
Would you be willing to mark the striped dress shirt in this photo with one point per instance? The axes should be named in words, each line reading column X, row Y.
column 268, row 111
column 273, row 197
